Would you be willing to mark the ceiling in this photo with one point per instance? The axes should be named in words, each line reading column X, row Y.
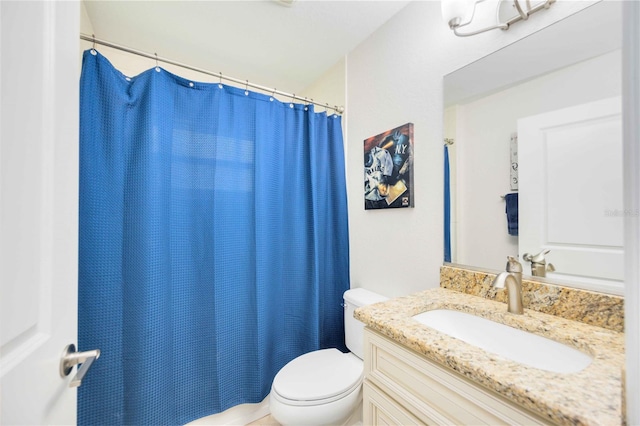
column 288, row 47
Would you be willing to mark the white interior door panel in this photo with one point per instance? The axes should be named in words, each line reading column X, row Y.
column 570, row 192
column 38, row 208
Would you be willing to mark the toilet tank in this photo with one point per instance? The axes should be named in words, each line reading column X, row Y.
column 354, row 329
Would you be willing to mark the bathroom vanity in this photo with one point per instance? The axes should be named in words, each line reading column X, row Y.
column 415, row 374
column 402, row 387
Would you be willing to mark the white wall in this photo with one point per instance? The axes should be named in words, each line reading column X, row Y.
column 329, row 88
column 484, row 127
column 395, row 77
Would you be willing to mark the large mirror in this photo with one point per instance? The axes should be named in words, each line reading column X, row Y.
column 534, row 140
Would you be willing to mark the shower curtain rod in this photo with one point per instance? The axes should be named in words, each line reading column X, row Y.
column 246, row 83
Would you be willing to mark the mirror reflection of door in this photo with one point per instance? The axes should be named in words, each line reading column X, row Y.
column 571, row 191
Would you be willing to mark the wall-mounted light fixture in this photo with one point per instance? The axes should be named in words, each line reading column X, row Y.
column 507, row 13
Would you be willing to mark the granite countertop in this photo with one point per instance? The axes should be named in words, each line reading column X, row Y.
column 592, row 396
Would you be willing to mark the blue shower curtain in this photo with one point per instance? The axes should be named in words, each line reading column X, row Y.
column 447, row 207
column 213, row 243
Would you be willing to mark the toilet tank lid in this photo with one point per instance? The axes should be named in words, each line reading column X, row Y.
column 362, row 297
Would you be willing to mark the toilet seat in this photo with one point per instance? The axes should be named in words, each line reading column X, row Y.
column 318, row 377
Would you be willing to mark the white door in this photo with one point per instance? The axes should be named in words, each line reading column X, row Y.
column 570, row 194
column 39, row 75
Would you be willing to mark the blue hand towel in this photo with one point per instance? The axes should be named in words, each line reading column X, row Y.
column 511, row 209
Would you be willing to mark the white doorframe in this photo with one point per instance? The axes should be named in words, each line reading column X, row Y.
column 631, row 146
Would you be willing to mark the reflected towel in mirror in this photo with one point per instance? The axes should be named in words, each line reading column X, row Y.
column 511, row 209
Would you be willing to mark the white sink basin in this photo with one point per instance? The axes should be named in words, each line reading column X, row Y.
column 508, row 342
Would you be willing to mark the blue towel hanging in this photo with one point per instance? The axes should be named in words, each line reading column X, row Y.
column 511, row 209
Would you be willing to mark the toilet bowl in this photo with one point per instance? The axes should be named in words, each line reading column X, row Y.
column 324, row 387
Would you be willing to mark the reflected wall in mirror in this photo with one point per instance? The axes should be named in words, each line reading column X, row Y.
column 558, row 93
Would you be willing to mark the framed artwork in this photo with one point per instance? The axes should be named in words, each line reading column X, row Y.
column 388, row 169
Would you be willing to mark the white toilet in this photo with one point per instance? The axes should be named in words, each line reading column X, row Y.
column 324, row 387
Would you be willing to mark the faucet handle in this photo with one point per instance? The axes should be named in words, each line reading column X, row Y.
column 537, row 258
column 513, row 265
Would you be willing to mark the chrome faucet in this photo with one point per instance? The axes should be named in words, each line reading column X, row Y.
column 539, row 266
column 512, row 278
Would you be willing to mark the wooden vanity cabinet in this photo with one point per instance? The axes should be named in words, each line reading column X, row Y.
column 402, row 387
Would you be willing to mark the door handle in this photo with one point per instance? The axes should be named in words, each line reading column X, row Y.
column 70, row 358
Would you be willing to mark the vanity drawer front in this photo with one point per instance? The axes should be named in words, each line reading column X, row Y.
column 379, row 409
column 433, row 393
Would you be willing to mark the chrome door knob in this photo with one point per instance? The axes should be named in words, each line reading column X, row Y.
column 70, row 358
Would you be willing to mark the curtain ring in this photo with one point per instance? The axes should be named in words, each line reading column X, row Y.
column 157, row 66
column 220, row 82
column 306, row 106
column 273, row 94
column 93, row 47
column 246, row 88
column 291, row 102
